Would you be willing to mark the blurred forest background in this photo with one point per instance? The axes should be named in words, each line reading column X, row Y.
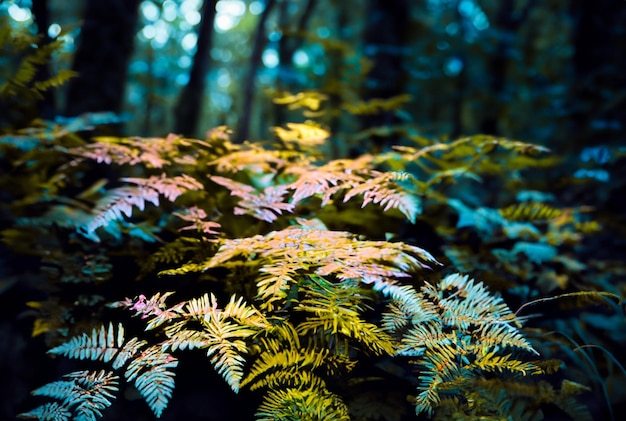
column 549, row 72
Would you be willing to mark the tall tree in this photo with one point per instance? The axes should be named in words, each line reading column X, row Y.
column 189, row 105
column 104, row 48
column 41, row 14
column 385, row 38
column 243, row 128
column 508, row 21
column 599, row 61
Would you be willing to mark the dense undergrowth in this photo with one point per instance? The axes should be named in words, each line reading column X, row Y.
column 437, row 279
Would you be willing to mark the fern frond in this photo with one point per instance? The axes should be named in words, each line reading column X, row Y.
column 384, row 190
column 170, row 187
column 85, row 394
column 490, row 361
column 305, row 136
column 152, row 378
column 120, row 201
column 302, row 404
column 52, row 411
column 256, row 160
column 324, row 253
column 304, row 99
column 265, row 205
column 468, row 333
column 102, row 344
column 59, row 79
column 335, row 309
column 285, row 360
column 530, row 211
column 222, row 333
column 377, row 105
column 321, row 181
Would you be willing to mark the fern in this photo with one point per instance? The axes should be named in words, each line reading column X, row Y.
column 462, row 330
column 82, row 397
column 152, row 378
column 102, row 344
column 301, row 404
column 120, row 201
column 90, row 393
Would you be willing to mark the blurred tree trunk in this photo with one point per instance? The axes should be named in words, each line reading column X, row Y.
column 189, row 105
column 385, row 39
column 508, row 23
column 599, row 40
column 243, row 129
column 104, row 48
column 41, row 13
column 289, row 43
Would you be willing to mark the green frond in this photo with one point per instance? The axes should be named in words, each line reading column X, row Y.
column 293, row 404
column 490, row 361
column 286, row 359
column 530, row 211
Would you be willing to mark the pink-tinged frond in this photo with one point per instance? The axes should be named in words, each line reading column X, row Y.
column 265, row 205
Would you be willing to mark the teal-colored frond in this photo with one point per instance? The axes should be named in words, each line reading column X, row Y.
column 52, row 411
column 467, row 302
column 127, row 352
column 302, row 405
column 152, row 378
column 82, row 396
column 102, row 344
column 455, row 329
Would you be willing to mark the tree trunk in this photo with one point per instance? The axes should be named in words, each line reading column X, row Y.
column 599, row 61
column 385, row 38
column 243, row 129
column 189, row 105
column 41, row 13
column 101, row 59
column 509, row 23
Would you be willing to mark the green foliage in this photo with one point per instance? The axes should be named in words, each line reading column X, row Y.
column 293, row 279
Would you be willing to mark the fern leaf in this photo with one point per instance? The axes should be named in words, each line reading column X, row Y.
column 85, row 394
column 170, row 187
column 222, row 334
column 120, row 201
column 302, row 404
column 102, row 344
column 530, row 211
column 377, row 105
column 152, row 378
column 306, row 136
column 265, row 205
column 492, row 362
column 52, row 411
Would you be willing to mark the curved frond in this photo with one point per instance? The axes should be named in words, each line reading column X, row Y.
column 293, row 404
column 153, row 380
column 102, row 344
